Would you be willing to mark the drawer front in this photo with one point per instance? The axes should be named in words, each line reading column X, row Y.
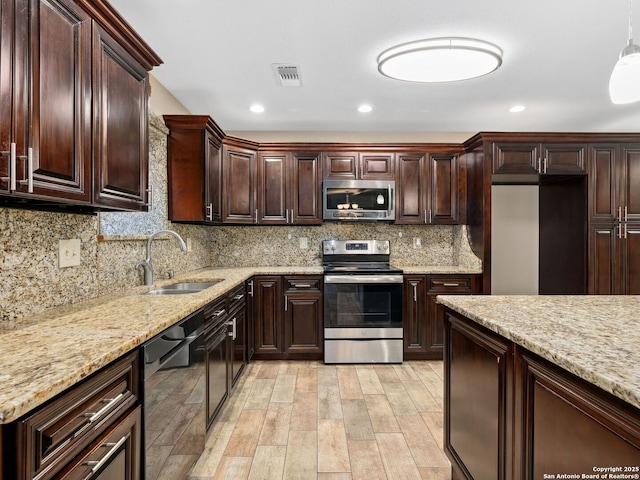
column 302, row 284
column 115, row 454
column 453, row 284
column 237, row 298
column 58, row 431
column 215, row 312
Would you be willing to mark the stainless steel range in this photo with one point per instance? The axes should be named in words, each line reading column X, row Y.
column 362, row 303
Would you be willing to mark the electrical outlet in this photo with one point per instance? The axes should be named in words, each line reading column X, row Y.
column 69, row 253
column 417, row 242
column 304, row 243
column 188, row 242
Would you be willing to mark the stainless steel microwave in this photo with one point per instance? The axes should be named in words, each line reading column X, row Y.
column 359, row 200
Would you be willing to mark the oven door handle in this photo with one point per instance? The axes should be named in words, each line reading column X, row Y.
column 379, row 279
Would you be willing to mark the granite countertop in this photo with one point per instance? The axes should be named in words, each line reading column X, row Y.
column 595, row 337
column 52, row 351
column 46, row 353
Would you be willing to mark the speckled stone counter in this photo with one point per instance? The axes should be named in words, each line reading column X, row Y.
column 47, row 353
column 596, row 338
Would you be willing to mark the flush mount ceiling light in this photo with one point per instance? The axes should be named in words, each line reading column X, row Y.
column 436, row 60
column 624, row 84
column 256, row 108
column 364, row 108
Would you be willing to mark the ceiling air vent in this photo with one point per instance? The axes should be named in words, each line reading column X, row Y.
column 287, row 75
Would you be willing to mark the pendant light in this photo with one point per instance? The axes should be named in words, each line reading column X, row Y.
column 624, row 84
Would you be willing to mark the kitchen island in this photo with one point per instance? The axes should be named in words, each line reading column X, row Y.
column 542, row 386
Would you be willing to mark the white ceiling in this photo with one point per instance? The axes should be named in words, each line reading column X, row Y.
column 558, row 56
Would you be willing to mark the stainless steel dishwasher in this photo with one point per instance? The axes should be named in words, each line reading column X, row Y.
column 173, row 395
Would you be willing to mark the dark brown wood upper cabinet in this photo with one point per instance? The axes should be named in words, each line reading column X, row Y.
column 48, row 61
column 359, row 165
column 526, row 158
column 74, row 105
column 120, row 138
column 239, row 184
column 427, row 189
column 194, row 166
column 289, row 188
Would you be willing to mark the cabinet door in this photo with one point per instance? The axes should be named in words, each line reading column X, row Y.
column 305, row 189
column 411, row 188
column 303, row 325
column 415, row 317
column 604, row 272
column 120, row 115
column 377, row 166
column 267, row 311
column 52, row 98
column 631, row 259
column 516, row 158
column 213, row 169
column 6, row 88
column 603, row 181
column 272, row 189
column 630, row 183
column 443, row 193
column 340, row 165
column 477, row 382
column 239, row 185
column 563, row 159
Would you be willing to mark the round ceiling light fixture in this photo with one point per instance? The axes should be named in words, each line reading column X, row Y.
column 436, row 60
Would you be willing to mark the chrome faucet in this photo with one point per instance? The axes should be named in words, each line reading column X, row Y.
column 146, row 263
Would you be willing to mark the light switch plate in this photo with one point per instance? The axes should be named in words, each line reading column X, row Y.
column 304, row 243
column 69, row 253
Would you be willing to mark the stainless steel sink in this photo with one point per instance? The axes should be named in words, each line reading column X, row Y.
column 182, row 288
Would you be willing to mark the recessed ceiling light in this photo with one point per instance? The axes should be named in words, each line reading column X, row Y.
column 365, row 108
column 256, row 108
column 440, row 60
column 517, row 108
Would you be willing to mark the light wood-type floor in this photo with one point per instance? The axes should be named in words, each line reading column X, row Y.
column 307, row 420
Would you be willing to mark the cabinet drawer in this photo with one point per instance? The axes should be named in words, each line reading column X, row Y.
column 237, row 298
column 302, row 284
column 215, row 312
column 57, row 432
column 451, row 284
column 115, row 454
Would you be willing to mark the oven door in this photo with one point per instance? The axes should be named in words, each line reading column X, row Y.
column 370, row 303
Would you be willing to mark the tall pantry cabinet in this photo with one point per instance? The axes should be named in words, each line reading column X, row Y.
column 614, row 219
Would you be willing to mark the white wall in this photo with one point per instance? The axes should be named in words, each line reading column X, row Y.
column 514, row 239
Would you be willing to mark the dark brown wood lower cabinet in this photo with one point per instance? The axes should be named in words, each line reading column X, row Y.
column 510, row 414
column 477, row 386
column 287, row 317
column 614, row 259
column 423, row 325
column 568, row 426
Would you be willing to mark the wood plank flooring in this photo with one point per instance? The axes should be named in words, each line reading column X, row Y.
column 307, row 420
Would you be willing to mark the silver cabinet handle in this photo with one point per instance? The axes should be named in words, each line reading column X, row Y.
column 430, row 217
column 251, row 288
column 256, row 220
column 110, row 403
column 301, row 285
column 232, row 323
column 11, row 170
column 626, row 219
column 625, row 230
column 619, row 214
column 286, row 303
column 619, row 227
column 209, row 212
column 415, row 292
column 218, row 313
column 546, row 164
column 425, row 216
column 29, row 181
column 450, row 284
column 97, row 465
column 239, row 296
column 150, row 197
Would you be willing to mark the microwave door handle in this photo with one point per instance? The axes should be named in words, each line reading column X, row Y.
column 389, row 200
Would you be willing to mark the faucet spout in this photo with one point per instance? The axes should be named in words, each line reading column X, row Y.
column 146, row 265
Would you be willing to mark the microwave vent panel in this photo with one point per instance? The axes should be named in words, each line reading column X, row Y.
column 287, row 75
